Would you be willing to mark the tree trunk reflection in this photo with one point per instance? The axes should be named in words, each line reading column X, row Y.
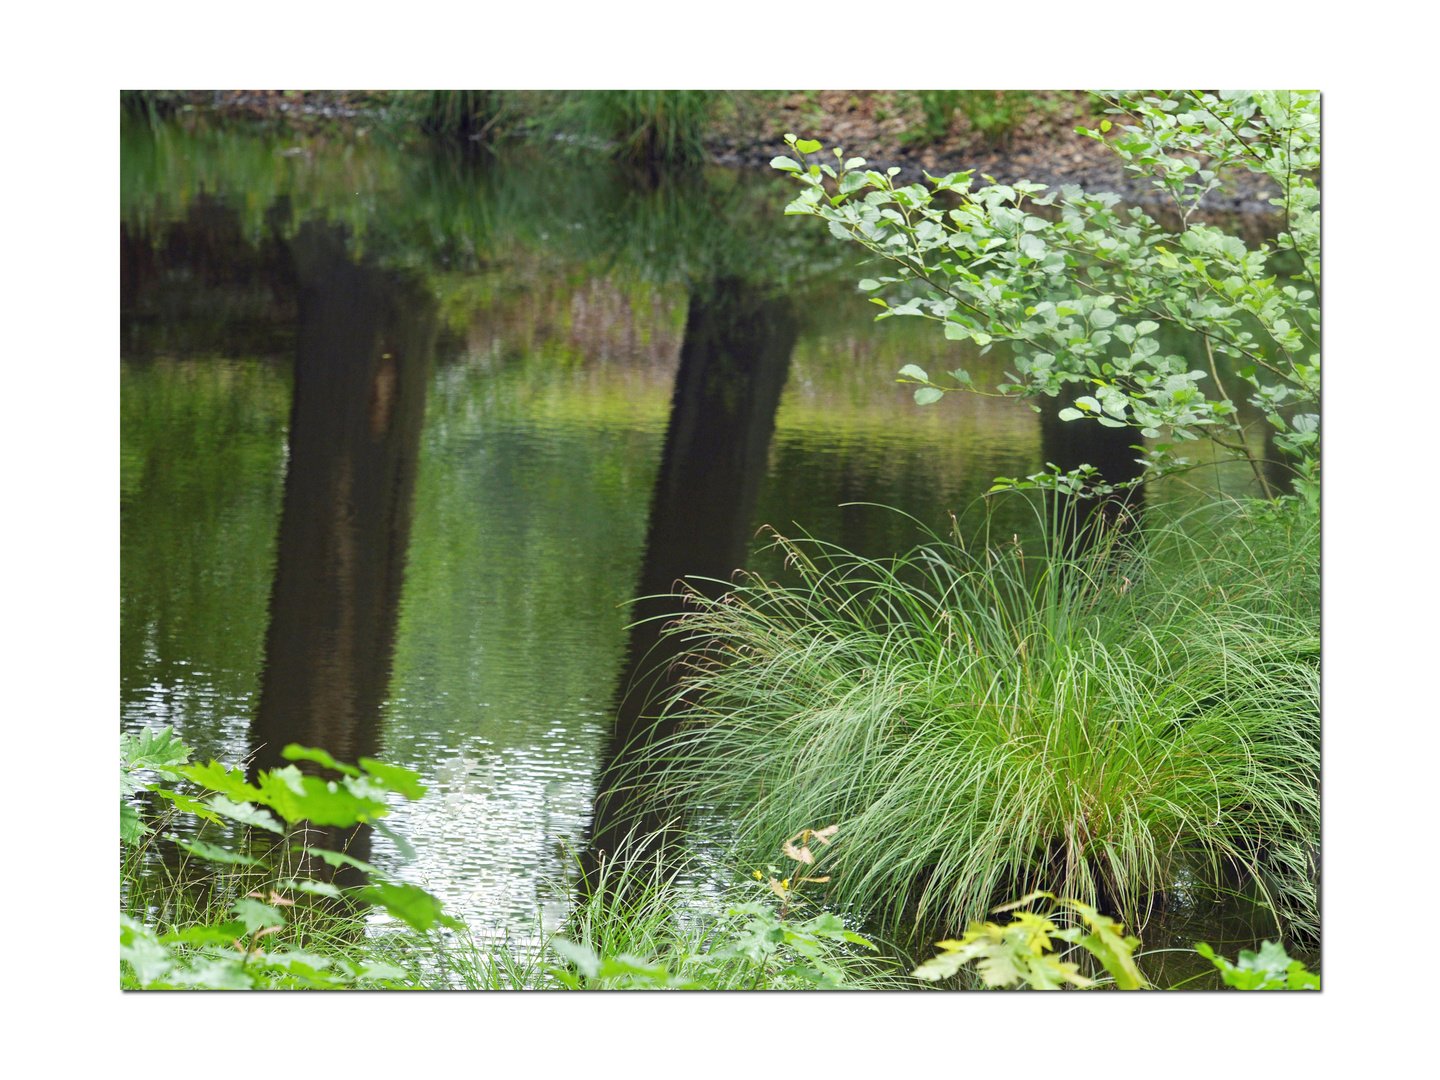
column 733, row 366
column 361, row 366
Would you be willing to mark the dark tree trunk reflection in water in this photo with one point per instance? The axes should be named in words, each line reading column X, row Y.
column 733, row 365
column 362, row 363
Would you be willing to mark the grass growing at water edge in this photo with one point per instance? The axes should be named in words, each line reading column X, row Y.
column 982, row 724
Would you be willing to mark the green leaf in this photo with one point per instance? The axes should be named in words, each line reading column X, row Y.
column 188, row 805
column 216, row 854
column 927, row 395
column 255, row 915
column 243, row 812
column 868, row 284
column 147, row 957
column 131, row 827
column 295, row 752
column 624, row 964
column 410, row 904
column 314, row 888
column 785, row 164
column 216, row 777
column 581, row 956
column 913, row 372
column 405, row 781
column 337, row 858
column 1106, row 944
column 1070, row 414
column 1101, row 317
column 222, row 934
column 153, row 748
column 298, row 797
column 807, row 146
column 376, row 970
column 955, row 332
column 215, row 973
column 941, row 966
column 404, row 846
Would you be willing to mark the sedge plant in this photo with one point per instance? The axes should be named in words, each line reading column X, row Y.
column 982, row 722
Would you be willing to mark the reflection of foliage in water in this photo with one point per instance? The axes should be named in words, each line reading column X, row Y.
column 201, row 471
column 460, row 208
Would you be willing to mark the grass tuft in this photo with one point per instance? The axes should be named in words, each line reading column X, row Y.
column 646, row 126
column 452, row 113
column 982, row 723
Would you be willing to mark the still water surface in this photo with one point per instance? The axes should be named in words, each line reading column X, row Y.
column 394, row 456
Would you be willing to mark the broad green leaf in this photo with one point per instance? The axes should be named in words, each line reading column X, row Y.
column 153, row 748
column 997, row 967
column 828, row 923
column 243, row 812
column 223, row 934
column 376, row 970
column 941, row 966
column 256, row 915
column 295, row 752
column 868, row 284
column 785, row 164
column 189, row 805
column 807, row 146
column 1048, row 972
column 214, row 973
column 1070, row 414
column 623, row 964
column 1106, row 943
column 410, row 904
column 911, row 371
column 582, row 956
column 131, row 827
column 927, row 395
column 216, row 777
column 147, row 957
column 298, row 797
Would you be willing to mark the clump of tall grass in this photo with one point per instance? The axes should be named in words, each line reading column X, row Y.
column 644, row 126
column 452, row 113
column 982, row 723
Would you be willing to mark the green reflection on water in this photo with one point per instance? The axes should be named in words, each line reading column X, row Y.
column 201, row 472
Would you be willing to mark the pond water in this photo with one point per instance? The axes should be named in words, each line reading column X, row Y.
column 394, row 456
